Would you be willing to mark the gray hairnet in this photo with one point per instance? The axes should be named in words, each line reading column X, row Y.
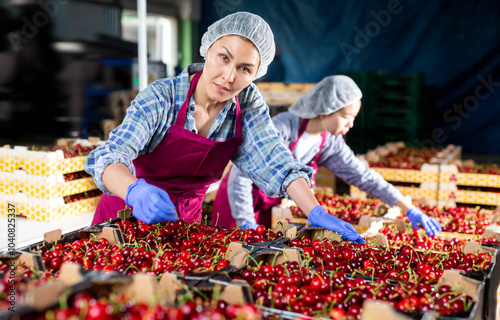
column 327, row 96
column 248, row 25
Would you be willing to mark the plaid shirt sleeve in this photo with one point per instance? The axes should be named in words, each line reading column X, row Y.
column 337, row 157
column 263, row 155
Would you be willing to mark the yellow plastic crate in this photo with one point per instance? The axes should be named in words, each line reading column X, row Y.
column 10, row 182
column 476, row 197
column 47, row 210
column 477, row 179
column 428, row 173
column 9, row 160
column 55, row 186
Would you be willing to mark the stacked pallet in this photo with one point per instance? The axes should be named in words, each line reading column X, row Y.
column 47, row 185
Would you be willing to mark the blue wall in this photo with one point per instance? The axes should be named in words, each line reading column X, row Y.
column 455, row 44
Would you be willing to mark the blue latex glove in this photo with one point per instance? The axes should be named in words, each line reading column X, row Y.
column 430, row 225
column 249, row 225
column 150, row 204
column 319, row 217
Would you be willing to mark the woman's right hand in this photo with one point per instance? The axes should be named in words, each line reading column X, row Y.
column 319, row 217
column 150, row 203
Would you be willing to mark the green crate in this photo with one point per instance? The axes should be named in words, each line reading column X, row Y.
column 391, row 119
column 395, row 106
column 410, row 83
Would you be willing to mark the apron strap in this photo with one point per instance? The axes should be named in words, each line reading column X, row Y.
column 181, row 116
column 238, row 131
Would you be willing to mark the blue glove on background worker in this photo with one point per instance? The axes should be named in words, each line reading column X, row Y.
column 417, row 217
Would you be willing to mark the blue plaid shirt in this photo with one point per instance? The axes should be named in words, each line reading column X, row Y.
column 262, row 156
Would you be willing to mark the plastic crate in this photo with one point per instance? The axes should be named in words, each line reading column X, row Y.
column 46, row 209
column 402, row 120
column 410, row 83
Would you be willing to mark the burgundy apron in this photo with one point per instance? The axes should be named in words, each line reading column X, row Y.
column 262, row 204
column 184, row 164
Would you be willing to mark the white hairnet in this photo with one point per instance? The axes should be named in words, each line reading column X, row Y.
column 327, row 96
column 248, row 25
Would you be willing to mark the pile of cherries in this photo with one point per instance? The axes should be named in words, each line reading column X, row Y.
column 460, row 219
column 112, row 306
column 480, row 168
column 344, row 207
column 82, row 196
column 75, row 176
column 155, row 249
column 407, row 158
column 18, row 279
column 75, row 150
column 419, row 240
column 396, row 263
column 194, row 237
column 300, row 289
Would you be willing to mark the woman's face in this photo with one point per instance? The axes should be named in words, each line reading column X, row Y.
column 339, row 122
column 231, row 65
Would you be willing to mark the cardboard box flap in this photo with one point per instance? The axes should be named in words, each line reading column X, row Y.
column 236, row 292
column 292, row 254
column 290, row 232
column 169, row 285
column 476, row 248
column 234, row 248
column 113, row 235
column 282, row 224
column 277, row 257
column 46, row 296
column 378, row 240
column 125, row 213
column 400, row 224
column 52, row 236
column 461, row 284
column 491, row 233
column 30, row 259
column 239, row 259
column 380, row 310
column 143, row 288
column 70, row 274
